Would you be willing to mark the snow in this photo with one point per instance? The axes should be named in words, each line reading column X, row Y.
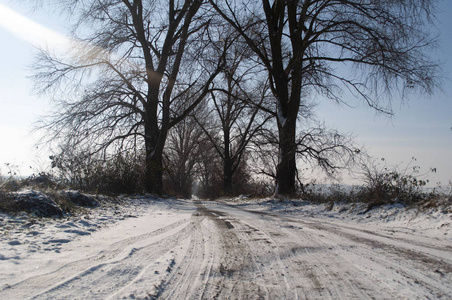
column 432, row 222
column 145, row 248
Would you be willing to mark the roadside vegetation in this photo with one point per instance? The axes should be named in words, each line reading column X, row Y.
column 69, row 192
column 44, row 195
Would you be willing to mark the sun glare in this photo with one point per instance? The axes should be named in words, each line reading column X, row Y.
column 30, row 31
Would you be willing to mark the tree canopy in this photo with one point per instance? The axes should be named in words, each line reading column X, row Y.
column 138, row 68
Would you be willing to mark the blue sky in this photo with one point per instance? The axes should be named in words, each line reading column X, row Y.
column 421, row 127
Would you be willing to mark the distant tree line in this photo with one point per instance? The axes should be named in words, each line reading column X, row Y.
column 219, row 96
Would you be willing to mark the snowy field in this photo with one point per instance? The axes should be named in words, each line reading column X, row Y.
column 229, row 249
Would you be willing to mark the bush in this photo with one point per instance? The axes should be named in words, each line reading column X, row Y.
column 386, row 185
column 119, row 173
column 6, row 201
column 382, row 185
column 43, row 180
column 11, row 182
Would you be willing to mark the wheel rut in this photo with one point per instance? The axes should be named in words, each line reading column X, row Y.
column 215, row 251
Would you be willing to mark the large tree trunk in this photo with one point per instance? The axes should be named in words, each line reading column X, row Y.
column 286, row 169
column 227, row 161
column 154, row 173
column 154, row 143
column 227, row 177
column 287, row 108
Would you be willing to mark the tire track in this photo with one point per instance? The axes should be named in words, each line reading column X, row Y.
column 307, row 276
column 221, row 252
column 340, row 263
column 235, row 271
column 116, row 253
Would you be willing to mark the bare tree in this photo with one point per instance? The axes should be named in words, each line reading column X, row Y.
column 208, row 179
column 123, row 84
column 311, row 45
column 182, row 152
column 317, row 147
column 328, row 149
column 236, row 100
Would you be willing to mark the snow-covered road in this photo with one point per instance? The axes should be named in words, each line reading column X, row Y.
column 186, row 249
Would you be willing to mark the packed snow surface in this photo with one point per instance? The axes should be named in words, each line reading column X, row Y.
column 229, row 249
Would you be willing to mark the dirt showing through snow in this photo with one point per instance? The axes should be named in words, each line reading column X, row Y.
column 191, row 249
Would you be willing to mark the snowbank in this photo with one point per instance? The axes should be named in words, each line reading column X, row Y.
column 434, row 221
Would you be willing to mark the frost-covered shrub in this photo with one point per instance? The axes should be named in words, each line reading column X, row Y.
column 118, row 173
column 391, row 184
